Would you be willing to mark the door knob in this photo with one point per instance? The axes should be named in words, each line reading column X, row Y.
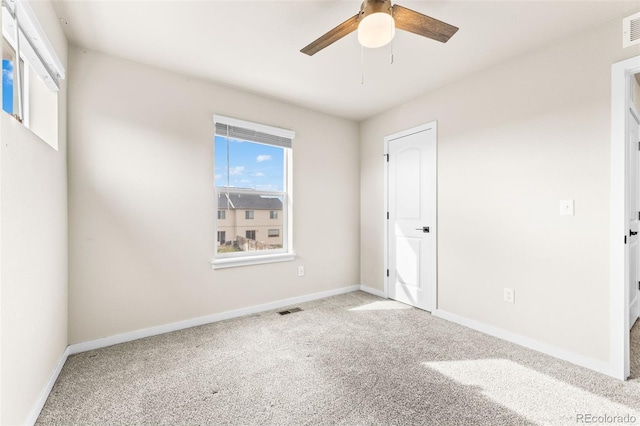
column 632, row 233
column 425, row 229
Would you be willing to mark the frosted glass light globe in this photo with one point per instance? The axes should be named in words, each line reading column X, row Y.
column 376, row 30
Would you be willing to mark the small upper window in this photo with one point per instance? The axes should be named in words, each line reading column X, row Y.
column 273, row 214
column 10, row 94
column 31, row 71
column 222, row 214
column 248, row 214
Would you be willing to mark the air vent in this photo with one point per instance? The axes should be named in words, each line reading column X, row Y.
column 290, row 311
column 631, row 30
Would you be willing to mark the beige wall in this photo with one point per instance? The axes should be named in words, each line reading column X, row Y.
column 142, row 204
column 512, row 142
column 33, row 251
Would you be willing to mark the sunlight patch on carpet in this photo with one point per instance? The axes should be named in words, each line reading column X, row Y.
column 542, row 399
column 383, row 305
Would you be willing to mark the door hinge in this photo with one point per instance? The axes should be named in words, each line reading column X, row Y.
column 387, row 272
column 387, row 215
column 638, row 285
column 638, row 145
column 387, row 157
column 625, row 239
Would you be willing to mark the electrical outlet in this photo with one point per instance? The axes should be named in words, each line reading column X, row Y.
column 566, row 208
column 509, row 295
column 301, row 271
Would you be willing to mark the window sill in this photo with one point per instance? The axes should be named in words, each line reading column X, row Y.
column 252, row 260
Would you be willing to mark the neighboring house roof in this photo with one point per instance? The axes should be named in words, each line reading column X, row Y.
column 248, row 202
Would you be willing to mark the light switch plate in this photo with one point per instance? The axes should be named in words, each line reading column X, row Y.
column 509, row 295
column 566, row 208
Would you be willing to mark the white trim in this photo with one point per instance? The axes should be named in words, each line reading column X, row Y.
column 194, row 322
column 619, row 303
column 233, row 262
column 42, row 398
column 35, row 47
column 41, row 39
column 385, row 221
column 433, row 125
column 263, row 128
column 572, row 357
column 374, row 291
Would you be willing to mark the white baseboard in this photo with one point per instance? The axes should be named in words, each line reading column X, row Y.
column 194, row 322
column 42, row 398
column 373, row 291
column 536, row 345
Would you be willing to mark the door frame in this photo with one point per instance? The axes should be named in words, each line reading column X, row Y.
column 431, row 125
column 621, row 74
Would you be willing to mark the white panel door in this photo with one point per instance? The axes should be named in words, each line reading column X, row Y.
column 633, row 203
column 411, row 227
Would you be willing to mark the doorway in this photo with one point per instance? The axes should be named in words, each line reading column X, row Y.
column 633, row 193
column 411, row 231
column 633, row 198
column 624, row 188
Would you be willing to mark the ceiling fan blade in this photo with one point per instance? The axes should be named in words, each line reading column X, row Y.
column 417, row 23
column 347, row 27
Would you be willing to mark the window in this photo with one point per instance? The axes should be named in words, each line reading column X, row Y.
column 252, row 173
column 222, row 214
column 222, row 237
column 31, row 71
column 10, row 94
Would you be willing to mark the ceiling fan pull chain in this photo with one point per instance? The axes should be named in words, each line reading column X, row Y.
column 391, row 52
column 361, row 64
column 393, row 27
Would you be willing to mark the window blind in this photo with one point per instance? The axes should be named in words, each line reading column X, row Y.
column 34, row 44
column 253, row 132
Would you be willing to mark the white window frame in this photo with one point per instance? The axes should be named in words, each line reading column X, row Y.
column 33, row 47
column 229, row 260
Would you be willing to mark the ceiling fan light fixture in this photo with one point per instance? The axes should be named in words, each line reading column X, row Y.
column 376, row 29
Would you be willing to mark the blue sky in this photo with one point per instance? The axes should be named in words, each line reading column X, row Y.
column 251, row 165
column 7, row 86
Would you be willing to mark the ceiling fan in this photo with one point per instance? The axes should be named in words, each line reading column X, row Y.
column 376, row 23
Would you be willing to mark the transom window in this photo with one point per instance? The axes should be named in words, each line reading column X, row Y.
column 31, row 71
column 252, row 164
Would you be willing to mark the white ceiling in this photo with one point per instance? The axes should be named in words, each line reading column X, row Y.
column 255, row 45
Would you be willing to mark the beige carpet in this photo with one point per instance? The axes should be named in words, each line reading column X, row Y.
column 353, row 359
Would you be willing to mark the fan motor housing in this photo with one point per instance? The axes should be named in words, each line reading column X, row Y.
column 369, row 7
